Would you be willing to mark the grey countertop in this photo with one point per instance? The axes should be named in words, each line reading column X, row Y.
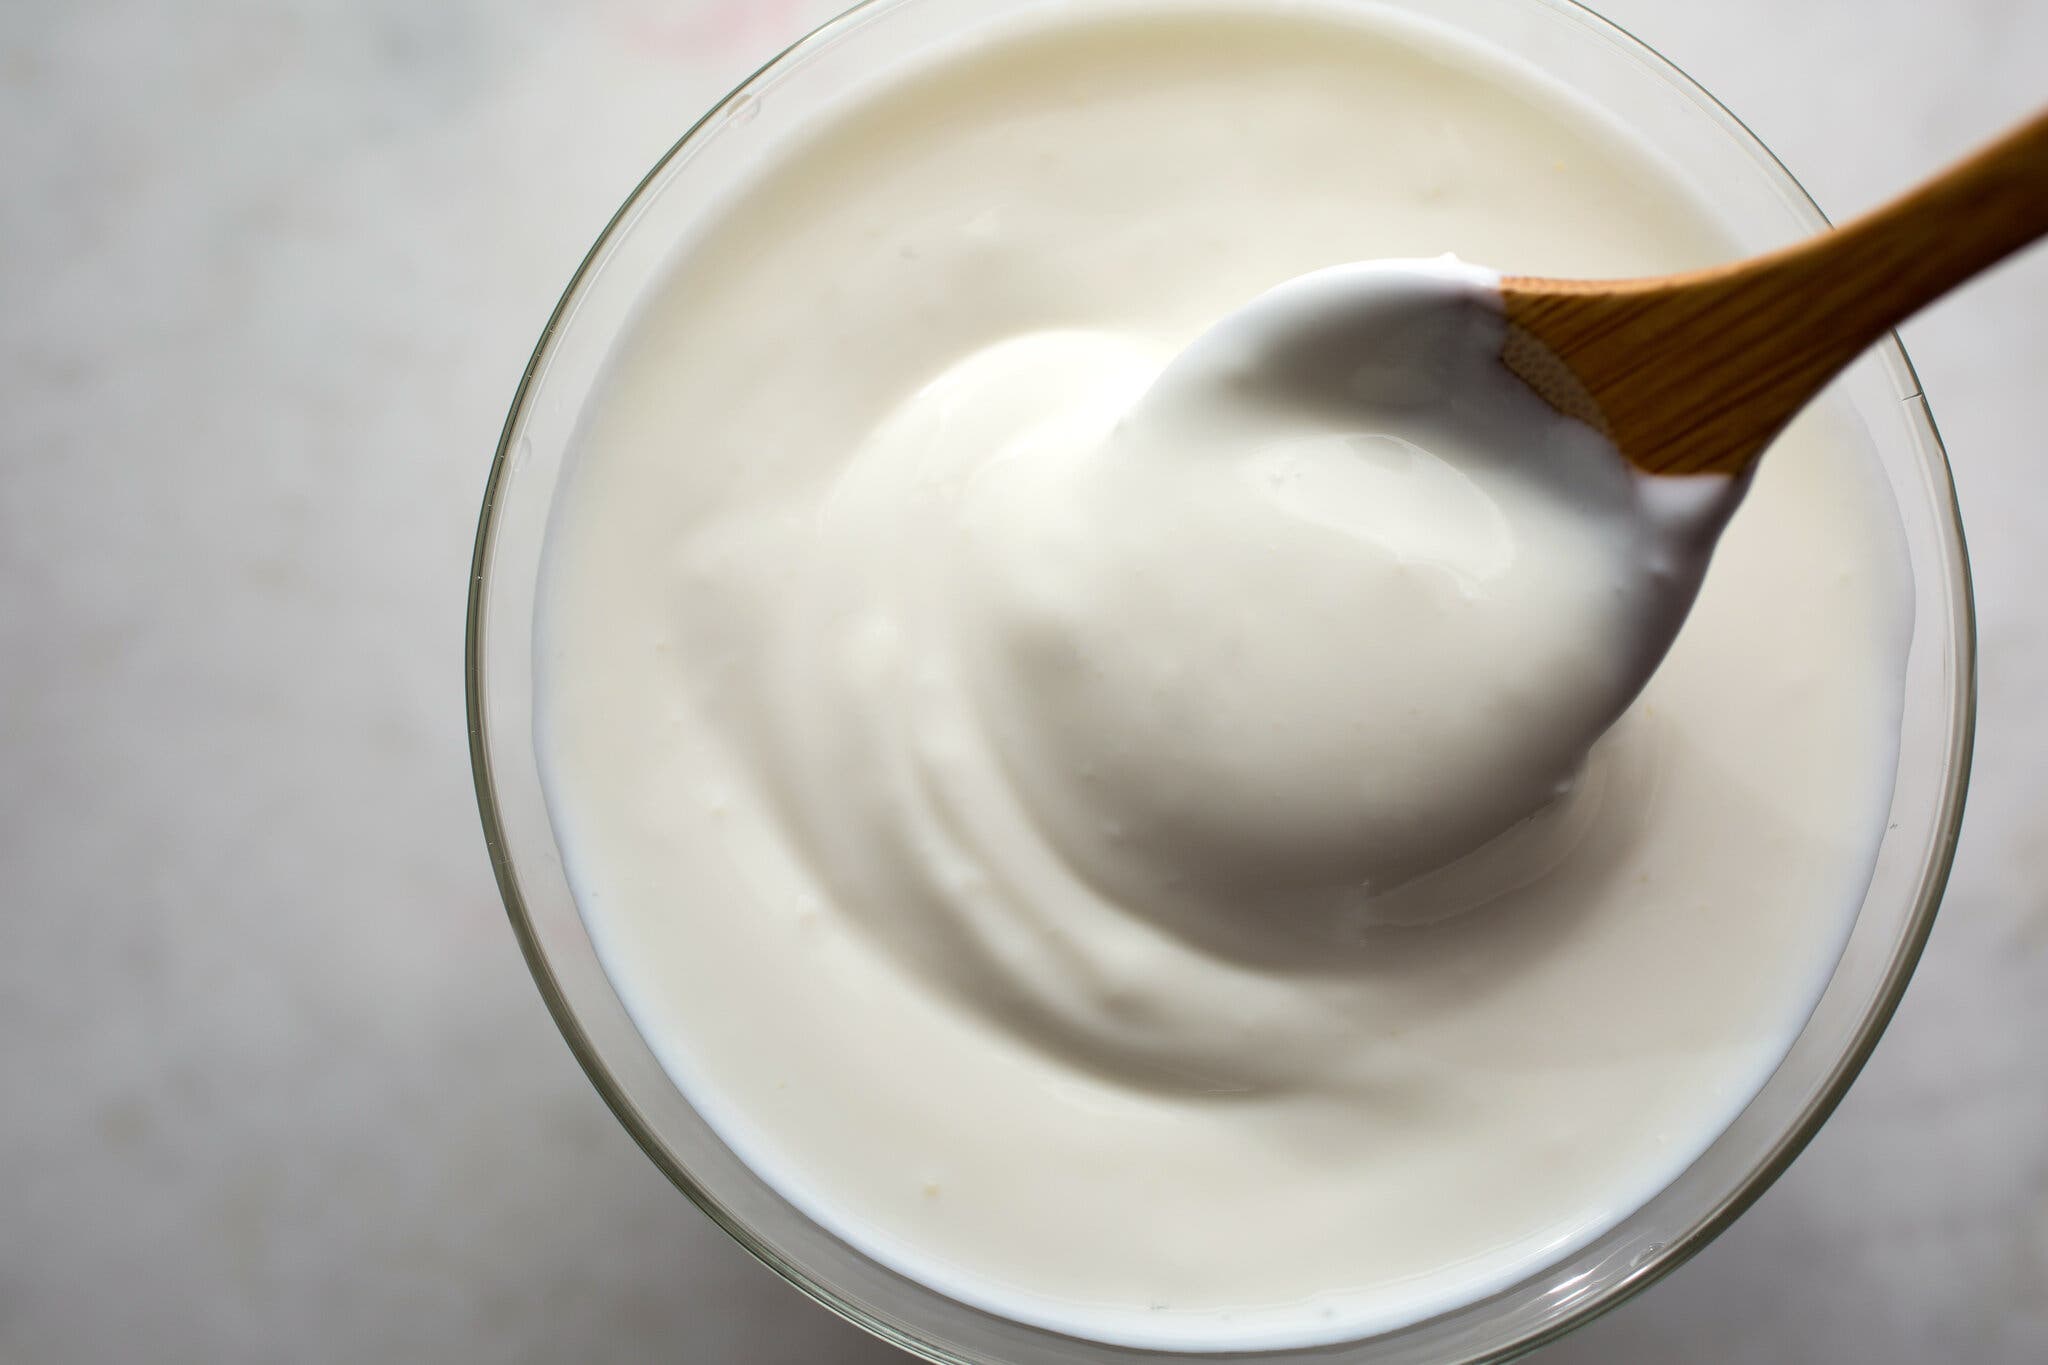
column 274, row 1084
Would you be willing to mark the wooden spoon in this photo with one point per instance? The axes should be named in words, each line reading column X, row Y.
column 1697, row 373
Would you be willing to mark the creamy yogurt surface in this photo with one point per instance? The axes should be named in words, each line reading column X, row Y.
column 1105, row 826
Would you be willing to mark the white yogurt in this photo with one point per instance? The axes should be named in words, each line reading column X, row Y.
column 1115, row 847
column 1336, row 602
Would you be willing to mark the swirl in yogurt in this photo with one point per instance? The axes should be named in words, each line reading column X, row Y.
column 1306, row 629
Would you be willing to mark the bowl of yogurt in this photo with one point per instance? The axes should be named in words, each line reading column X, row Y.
column 1039, row 889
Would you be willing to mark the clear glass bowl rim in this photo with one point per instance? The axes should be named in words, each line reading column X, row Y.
column 1934, row 874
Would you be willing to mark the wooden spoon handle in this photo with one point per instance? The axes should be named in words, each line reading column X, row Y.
column 1698, row 372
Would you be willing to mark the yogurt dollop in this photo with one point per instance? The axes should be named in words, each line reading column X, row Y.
column 1336, row 602
column 1306, row 629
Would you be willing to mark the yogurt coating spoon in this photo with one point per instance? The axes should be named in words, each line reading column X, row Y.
column 1542, row 469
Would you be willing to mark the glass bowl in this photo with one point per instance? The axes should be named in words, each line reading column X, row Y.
column 1763, row 206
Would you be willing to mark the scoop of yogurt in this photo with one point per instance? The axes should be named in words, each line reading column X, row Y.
column 1100, row 651
column 1335, row 603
